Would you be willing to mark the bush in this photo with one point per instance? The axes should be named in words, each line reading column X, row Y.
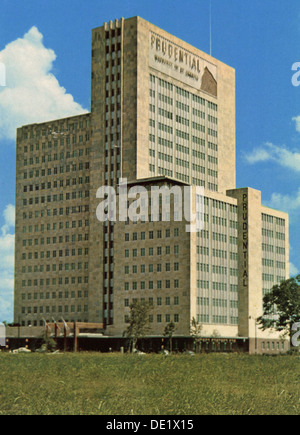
column 48, row 344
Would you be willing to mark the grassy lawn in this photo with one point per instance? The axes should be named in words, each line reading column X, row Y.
column 113, row 384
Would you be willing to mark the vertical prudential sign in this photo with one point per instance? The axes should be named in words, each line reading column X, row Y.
column 245, row 239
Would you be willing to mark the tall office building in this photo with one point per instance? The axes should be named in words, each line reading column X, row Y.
column 163, row 114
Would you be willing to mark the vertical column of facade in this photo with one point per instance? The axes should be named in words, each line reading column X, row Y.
column 107, row 115
column 97, row 176
column 18, row 229
column 250, row 261
column 129, row 100
column 226, row 128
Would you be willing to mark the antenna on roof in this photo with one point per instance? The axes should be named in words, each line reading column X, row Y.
column 210, row 29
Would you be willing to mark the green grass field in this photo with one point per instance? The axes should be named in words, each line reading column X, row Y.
column 114, row 384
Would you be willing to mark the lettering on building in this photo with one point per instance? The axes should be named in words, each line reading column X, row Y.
column 181, row 64
column 245, row 238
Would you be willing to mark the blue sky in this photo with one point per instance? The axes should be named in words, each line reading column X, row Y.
column 258, row 38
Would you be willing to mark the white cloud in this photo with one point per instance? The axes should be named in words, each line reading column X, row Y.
column 288, row 203
column 258, row 155
column 9, row 217
column 293, row 270
column 281, row 155
column 297, row 121
column 32, row 93
column 7, row 246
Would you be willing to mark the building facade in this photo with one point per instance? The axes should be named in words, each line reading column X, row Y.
column 163, row 114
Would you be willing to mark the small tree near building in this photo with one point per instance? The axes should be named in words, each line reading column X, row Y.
column 168, row 333
column 195, row 331
column 138, row 323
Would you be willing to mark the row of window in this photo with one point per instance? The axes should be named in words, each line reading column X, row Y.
column 150, row 284
column 159, row 301
column 55, row 171
column 270, row 278
column 273, row 345
column 159, row 318
column 61, row 211
column 55, row 281
column 159, row 267
column 54, row 254
column 159, row 251
column 270, row 233
column 271, row 219
column 62, row 155
column 205, row 318
column 61, row 197
column 62, row 266
column 55, row 309
column 270, row 263
column 151, row 268
column 159, row 234
column 53, row 226
column 218, row 253
column 222, row 286
column 55, row 130
column 219, row 303
column 270, row 248
column 54, row 295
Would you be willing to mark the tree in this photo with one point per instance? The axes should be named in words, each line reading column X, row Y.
column 282, row 306
column 139, row 323
column 48, row 344
column 168, row 333
column 195, row 331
